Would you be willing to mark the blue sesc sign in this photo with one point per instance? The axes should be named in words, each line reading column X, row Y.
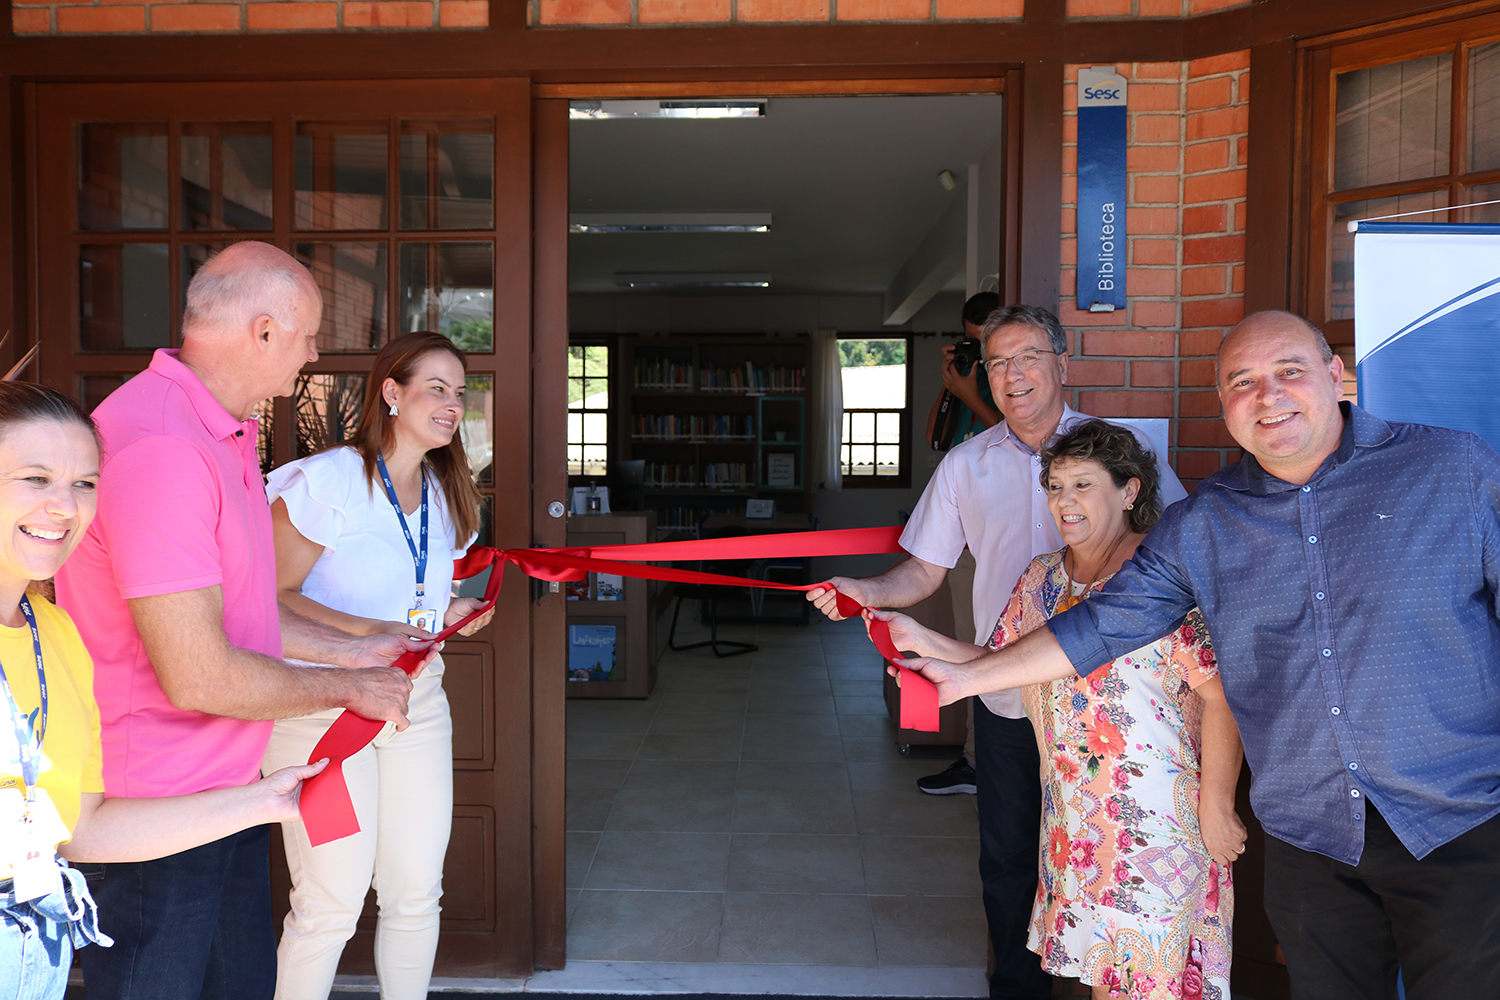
column 1102, row 132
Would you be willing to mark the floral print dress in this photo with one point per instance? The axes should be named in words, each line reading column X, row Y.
column 1129, row 898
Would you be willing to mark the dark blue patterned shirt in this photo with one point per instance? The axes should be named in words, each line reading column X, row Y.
column 1354, row 620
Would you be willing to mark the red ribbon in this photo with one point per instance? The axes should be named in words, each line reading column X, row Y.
column 327, row 810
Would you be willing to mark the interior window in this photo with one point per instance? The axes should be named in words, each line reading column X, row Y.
column 874, row 446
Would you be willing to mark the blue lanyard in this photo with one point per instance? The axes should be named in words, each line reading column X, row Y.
column 420, row 558
column 31, row 760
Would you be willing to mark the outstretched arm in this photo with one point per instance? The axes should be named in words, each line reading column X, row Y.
column 1035, row 659
column 909, row 582
column 144, row 829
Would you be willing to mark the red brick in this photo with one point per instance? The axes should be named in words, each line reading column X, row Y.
column 1157, row 128
column 1070, row 128
column 1205, row 219
column 1217, row 92
column 1203, row 6
column 1070, row 97
column 101, row 19
column 1155, row 374
column 1226, row 63
column 1125, row 403
column 1203, row 434
column 297, row 15
column 1203, row 281
column 1083, row 371
column 1242, row 88
column 883, row 10
column 1242, row 151
column 1218, row 122
column 31, row 3
column 1239, row 217
column 782, row 10
column 681, row 11
column 989, row 10
column 1154, row 314
column 1198, row 464
column 464, row 13
column 1151, row 281
column 1196, row 373
column 1201, row 156
column 1141, row 159
column 1198, row 404
column 1151, row 221
column 1070, row 252
column 1158, row 71
column 1214, row 250
column 1130, row 343
column 388, row 14
column 1157, row 190
column 1213, row 312
column 1198, row 343
column 1223, row 186
column 1070, row 190
column 585, row 11
column 1152, row 97
column 1067, row 283
column 30, row 22
column 195, row 17
column 1159, row 8
column 1070, row 159
column 1069, row 221
column 1098, row 8
column 1153, row 251
column 1237, row 279
column 1071, row 315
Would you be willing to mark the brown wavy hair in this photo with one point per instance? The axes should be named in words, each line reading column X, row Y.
column 376, row 429
column 1122, row 456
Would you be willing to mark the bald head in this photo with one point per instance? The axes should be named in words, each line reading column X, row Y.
column 1270, row 321
column 243, row 282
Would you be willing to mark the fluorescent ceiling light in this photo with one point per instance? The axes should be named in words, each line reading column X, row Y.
column 753, row 108
column 669, row 222
column 750, row 279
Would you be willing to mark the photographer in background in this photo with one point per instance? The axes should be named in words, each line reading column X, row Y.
column 965, row 406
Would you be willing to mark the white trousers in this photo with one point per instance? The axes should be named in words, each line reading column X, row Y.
column 402, row 788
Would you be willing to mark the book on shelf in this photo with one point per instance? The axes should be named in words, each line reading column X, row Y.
column 591, row 653
column 609, row 587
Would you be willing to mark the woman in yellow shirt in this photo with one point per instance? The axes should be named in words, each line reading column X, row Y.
column 52, row 803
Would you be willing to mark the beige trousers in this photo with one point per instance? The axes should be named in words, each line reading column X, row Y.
column 402, row 787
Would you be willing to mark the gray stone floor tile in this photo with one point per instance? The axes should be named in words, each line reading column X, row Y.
column 584, row 744
column 682, row 796
column 770, row 699
column 646, row 926
column 797, row 929
column 790, row 726
column 929, row 930
column 695, row 862
column 580, row 848
column 920, row 866
column 773, row 862
column 861, row 705
column 826, row 749
column 682, row 723
column 703, row 701
column 868, row 726
column 793, row 797
column 690, row 746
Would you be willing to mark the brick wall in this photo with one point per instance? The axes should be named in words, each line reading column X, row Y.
column 647, row 12
column 62, row 17
column 1148, row 8
column 1185, row 278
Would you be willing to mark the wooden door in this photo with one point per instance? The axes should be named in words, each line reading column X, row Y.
column 410, row 201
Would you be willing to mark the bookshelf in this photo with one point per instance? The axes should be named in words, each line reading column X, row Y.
column 612, row 627
column 717, row 421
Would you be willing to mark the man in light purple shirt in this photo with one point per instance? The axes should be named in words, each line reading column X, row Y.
column 986, row 496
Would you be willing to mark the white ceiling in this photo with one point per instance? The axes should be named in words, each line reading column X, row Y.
column 852, row 185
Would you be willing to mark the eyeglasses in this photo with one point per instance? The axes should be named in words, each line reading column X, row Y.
column 1024, row 361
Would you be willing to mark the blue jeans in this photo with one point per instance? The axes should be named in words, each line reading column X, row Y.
column 37, row 937
column 188, row 926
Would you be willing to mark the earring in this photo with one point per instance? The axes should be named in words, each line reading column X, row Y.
column 1130, row 506
column 393, row 409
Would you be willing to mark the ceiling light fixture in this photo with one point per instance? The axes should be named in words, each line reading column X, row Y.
column 947, row 180
column 750, row 279
column 594, row 110
column 669, row 222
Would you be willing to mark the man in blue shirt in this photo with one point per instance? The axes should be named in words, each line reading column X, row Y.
column 1348, row 569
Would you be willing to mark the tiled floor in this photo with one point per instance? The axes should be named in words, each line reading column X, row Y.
column 755, row 811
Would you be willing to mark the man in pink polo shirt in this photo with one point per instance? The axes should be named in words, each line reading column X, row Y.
column 174, row 590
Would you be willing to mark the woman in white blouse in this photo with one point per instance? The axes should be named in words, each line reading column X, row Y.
column 366, row 535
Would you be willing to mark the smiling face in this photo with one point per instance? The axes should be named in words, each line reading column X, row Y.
column 1280, row 398
column 431, row 404
column 49, row 470
column 1031, row 401
column 1085, row 502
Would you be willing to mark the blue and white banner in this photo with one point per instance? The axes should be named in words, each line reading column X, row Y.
column 1102, row 133
column 1427, row 323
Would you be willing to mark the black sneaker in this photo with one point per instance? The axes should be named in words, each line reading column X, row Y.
column 958, row 779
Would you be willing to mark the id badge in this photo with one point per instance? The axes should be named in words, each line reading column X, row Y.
column 423, row 618
column 28, row 845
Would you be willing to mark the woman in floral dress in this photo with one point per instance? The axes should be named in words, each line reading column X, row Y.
column 1139, row 760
